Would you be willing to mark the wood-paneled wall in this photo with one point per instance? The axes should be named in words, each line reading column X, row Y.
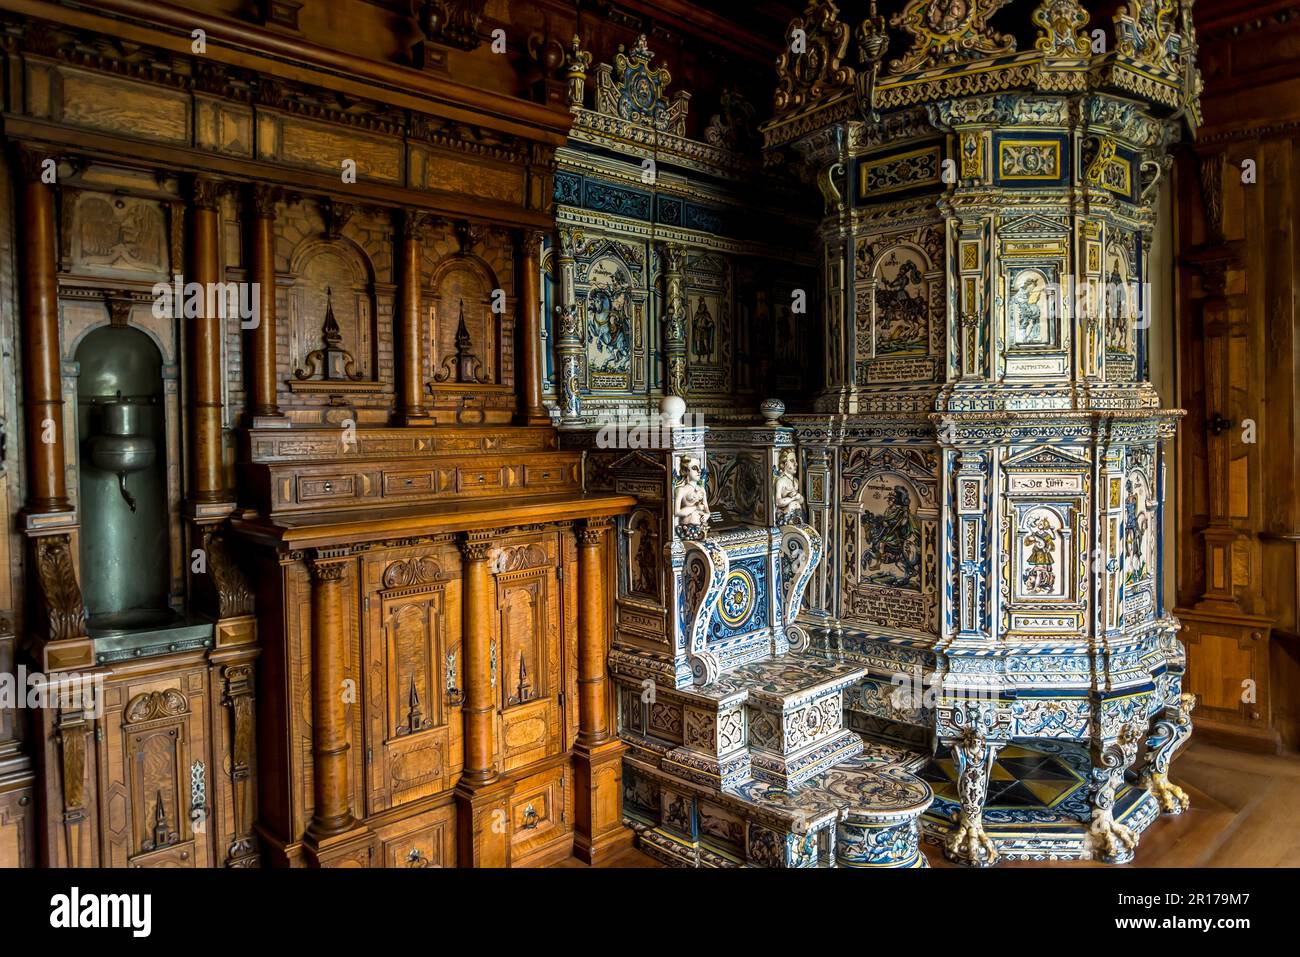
column 1239, row 370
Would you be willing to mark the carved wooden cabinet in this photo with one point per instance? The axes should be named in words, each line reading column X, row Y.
column 419, row 699
column 152, row 764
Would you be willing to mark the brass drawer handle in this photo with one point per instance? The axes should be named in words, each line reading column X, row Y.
column 329, row 486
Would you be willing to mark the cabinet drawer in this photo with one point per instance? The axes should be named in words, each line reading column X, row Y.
column 316, row 488
column 407, row 483
column 547, row 476
column 470, row 479
column 428, row 840
column 540, row 814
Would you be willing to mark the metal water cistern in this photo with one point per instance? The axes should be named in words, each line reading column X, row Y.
column 124, row 446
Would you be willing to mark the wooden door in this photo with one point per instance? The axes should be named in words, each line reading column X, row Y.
column 412, row 650
column 528, row 650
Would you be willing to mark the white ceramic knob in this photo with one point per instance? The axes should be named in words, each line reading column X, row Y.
column 672, row 408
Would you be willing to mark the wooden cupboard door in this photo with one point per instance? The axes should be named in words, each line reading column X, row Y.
column 18, row 826
column 1228, row 671
column 155, row 766
column 412, row 639
column 427, row 840
column 541, row 813
column 529, row 648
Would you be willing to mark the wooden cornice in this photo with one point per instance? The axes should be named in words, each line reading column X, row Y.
column 729, row 33
column 130, row 152
column 367, row 525
column 241, row 44
column 1215, row 17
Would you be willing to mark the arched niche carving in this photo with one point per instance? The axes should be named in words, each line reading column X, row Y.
column 332, row 275
column 464, row 284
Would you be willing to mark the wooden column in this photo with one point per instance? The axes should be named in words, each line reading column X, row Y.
column 593, row 710
column 207, row 478
column 476, row 639
column 42, row 386
column 598, row 755
column 265, row 383
column 529, row 369
column 410, row 400
column 332, row 813
column 482, row 795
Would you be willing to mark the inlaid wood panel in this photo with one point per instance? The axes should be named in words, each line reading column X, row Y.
column 426, row 840
column 529, row 642
column 18, row 827
column 541, row 813
column 412, row 645
column 154, row 783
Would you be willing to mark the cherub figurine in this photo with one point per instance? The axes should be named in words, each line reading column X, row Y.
column 785, row 490
column 690, row 503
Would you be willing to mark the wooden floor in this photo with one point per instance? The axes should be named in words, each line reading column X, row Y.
column 1243, row 814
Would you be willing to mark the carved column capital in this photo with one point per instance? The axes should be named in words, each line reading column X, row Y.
column 205, row 192
column 328, row 564
column 32, row 163
column 592, row 531
column 415, row 225
column 474, row 546
column 674, row 257
column 566, row 237
column 263, row 198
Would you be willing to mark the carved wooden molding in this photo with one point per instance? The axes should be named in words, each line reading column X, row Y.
column 238, row 696
column 63, row 614
column 412, row 571
column 72, row 734
column 156, row 704
column 231, row 595
column 516, row 557
column 452, row 23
